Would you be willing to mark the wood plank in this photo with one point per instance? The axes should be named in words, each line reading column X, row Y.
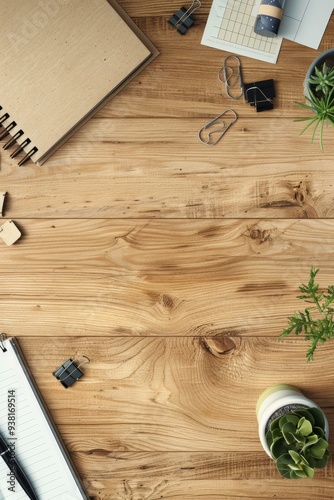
column 173, row 394
column 185, row 466
column 173, row 277
column 205, row 490
column 154, row 246
column 158, row 168
column 194, row 476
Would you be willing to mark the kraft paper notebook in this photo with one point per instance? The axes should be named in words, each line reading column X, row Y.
column 25, row 424
column 61, row 61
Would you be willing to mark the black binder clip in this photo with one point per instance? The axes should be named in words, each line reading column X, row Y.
column 182, row 19
column 260, row 94
column 69, row 372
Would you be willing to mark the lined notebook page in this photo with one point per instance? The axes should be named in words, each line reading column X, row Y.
column 36, row 448
column 59, row 60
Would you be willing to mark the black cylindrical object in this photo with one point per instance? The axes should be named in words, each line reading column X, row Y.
column 269, row 17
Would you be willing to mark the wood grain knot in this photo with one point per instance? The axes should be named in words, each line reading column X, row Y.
column 168, row 301
column 261, row 235
column 305, row 201
column 218, row 346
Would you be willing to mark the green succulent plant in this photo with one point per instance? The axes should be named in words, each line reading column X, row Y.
column 320, row 102
column 297, row 443
column 323, row 79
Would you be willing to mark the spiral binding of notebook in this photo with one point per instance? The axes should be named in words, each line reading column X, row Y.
column 7, row 129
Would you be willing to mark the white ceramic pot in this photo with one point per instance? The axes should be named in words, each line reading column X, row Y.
column 276, row 397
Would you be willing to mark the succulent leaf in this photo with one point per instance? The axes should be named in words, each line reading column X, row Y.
column 293, row 475
column 305, row 471
column 309, row 471
column 311, row 460
column 289, row 430
column 274, row 424
column 310, row 441
column 304, row 412
column 317, row 414
column 278, row 447
column 318, row 449
column 322, row 462
column 276, row 433
column 299, row 439
column 304, row 427
column 295, row 456
column 289, row 417
column 319, row 431
column 269, row 438
column 282, row 464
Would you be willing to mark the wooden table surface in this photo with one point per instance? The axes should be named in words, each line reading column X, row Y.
column 173, row 266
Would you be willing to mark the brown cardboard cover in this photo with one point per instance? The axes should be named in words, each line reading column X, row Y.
column 64, row 60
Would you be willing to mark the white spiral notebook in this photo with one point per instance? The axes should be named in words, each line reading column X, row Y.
column 27, row 425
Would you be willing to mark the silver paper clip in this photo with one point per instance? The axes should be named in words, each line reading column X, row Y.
column 222, row 128
column 232, row 78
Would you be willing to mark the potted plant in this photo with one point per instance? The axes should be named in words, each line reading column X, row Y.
column 293, row 431
column 319, row 93
column 315, row 322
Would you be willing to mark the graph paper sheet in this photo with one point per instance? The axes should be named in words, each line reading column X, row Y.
column 230, row 27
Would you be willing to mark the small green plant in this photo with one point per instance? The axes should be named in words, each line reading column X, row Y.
column 316, row 321
column 323, row 80
column 320, row 102
column 297, row 443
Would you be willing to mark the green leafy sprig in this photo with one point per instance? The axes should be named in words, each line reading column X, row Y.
column 316, row 321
